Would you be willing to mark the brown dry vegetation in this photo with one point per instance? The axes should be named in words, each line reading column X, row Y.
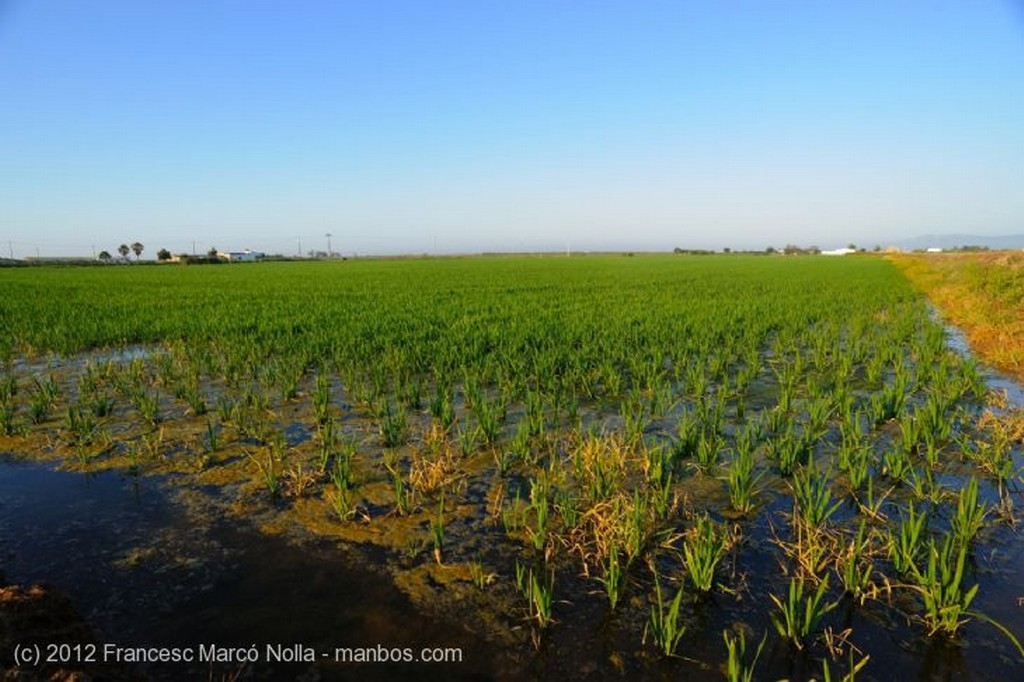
column 982, row 293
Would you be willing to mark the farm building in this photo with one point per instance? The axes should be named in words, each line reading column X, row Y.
column 246, row 256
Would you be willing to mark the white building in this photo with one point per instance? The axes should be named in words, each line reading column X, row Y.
column 839, row 252
column 246, row 256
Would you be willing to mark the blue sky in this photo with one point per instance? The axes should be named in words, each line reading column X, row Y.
column 408, row 127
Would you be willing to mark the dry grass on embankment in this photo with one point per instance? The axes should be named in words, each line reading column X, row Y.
column 983, row 294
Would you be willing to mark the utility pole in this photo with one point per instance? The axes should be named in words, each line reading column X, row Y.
column 193, row 247
column 10, row 248
column 300, row 246
column 328, row 244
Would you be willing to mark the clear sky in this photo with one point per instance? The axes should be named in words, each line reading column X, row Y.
column 408, row 127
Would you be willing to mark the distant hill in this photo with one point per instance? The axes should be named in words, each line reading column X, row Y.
column 949, row 241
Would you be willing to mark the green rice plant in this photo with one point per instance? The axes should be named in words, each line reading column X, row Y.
column 42, row 398
column 8, row 417
column 539, row 593
column 637, row 525
column 326, row 441
column 702, row 551
column 696, row 380
column 812, row 493
column 9, row 386
column 192, row 394
column 340, row 500
column 635, row 418
column 855, row 565
column 970, row 514
column 924, row 485
column 857, row 461
column 322, row 397
column 737, row 668
column 741, row 478
column 437, row 531
column 906, row 544
column 212, row 436
column 818, row 413
column 870, row 505
column 896, row 463
column 392, row 426
column 100, row 403
column 789, row 449
column 479, row 575
column 268, row 471
column 567, row 506
column 941, row 586
column 776, row 419
column 441, row 407
column 709, row 449
column 851, row 673
column 147, row 403
column 513, row 515
column 540, row 507
column 890, row 402
column 613, row 576
column 533, row 422
column 688, row 436
column 797, row 618
column 489, row 418
column 80, row 425
column 468, row 439
column 664, row 627
column 403, row 500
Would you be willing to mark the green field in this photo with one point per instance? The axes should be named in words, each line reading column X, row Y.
column 669, row 446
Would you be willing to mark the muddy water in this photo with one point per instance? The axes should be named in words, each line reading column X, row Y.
column 148, row 570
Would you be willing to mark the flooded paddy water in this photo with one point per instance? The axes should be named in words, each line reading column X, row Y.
column 179, row 559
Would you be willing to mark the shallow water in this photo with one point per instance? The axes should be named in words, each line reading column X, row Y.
column 146, row 570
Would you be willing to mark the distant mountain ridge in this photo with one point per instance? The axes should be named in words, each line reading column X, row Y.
column 949, row 241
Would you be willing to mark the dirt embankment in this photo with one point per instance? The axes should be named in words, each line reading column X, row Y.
column 983, row 294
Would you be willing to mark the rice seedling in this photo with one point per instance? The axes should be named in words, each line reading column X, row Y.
column 437, row 531
column 393, row 426
column 850, row 675
column 268, row 469
column 906, row 544
column 788, row 450
column 798, row 616
column 896, row 463
column 812, row 493
column 479, row 575
column 742, row 480
column 42, row 398
column 737, row 668
column 855, row 565
column 441, row 406
column 970, row 514
column 664, row 627
column 403, row 498
column 613, row 576
column 8, row 418
column 924, row 486
column 702, row 551
column 538, row 589
column 147, row 403
column 941, row 587
column 540, row 507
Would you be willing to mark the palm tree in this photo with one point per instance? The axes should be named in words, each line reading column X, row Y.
column 123, row 250
column 137, row 250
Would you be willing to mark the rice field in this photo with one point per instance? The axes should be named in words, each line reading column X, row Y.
column 738, row 467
